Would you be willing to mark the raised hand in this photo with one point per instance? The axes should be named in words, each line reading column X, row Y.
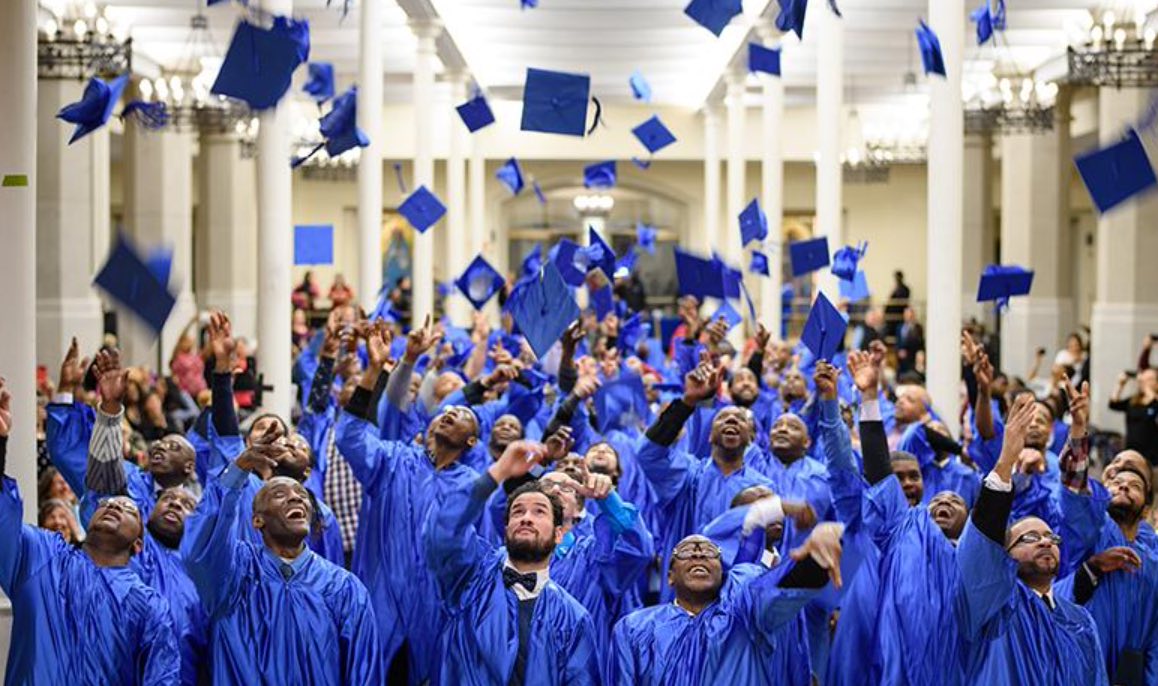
column 378, row 340
column 825, row 379
column 559, row 444
column 597, row 487
column 1116, row 559
column 983, row 372
column 717, row 331
column 72, row 369
column 502, row 374
column 762, row 337
column 332, row 342
column 420, row 340
column 823, row 546
column 111, row 380
column 517, row 460
column 572, row 336
column 800, row 512
column 865, row 374
column 969, row 348
column 221, row 342
column 702, row 382
column 585, row 387
column 1079, row 402
column 6, row 409
column 1016, row 427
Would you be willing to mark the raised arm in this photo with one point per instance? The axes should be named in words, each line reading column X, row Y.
column 22, row 548
column 624, row 545
column 983, row 376
column 68, row 427
column 568, row 375
column 420, row 340
column 105, row 473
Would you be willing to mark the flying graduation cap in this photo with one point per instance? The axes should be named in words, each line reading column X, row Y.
column 759, row 264
column 791, row 16
column 763, row 60
column 599, row 253
column 1001, row 282
column 260, row 62
column 1117, row 172
column 543, row 308
column 621, row 403
column 703, row 278
column 845, row 260
column 320, row 85
column 856, row 290
column 556, row 102
column 808, row 256
column 95, row 106
column 930, row 46
column 654, row 135
column 339, row 127
column 476, row 113
column 532, row 262
column 713, row 15
column 480, row 282
column 824, row 330
column 570, row 260
column 422, row 209
column 511, row 176
column 139, row 285
column 988, row 20
column 645, row 236
column 600, row 175
column 753, row 223
column 640, row 88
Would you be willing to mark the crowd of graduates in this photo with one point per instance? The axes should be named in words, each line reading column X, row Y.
column 446, row 507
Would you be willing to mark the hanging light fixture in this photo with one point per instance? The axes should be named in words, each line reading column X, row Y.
column 77, row 41
column 1118, row 50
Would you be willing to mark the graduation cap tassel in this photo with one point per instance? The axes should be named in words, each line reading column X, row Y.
column 299, row 161
column 151, row 115
column 539, row 192
column 835, row 10
column 642, row 164
column 598, row 115
column 398, row 175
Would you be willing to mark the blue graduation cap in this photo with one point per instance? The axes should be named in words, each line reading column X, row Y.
column 654, row 135
column 753, row 223
column 762, row 59
column 599, row 253
column 640, row 88
column 462, row 346
column 95, row 106
column 791, row 16
column 570, row 260
column 313, row 244
column 645, row 236
column 632, row 331
column 698, row 276
column 1116, row 173
column 600, row 175
column 533, row 261
column 543, row 308
column 808, row 256
column 759, row 264
column 528, row 4
column 128, row 279
column 930, row 47
column 621, row 403
column 729, row 276
column 422, row 209
column 555, row 102
column 824, row 330
column 524, row 402
column 479, row 282
column 627, row 262
column 641, row 164
column 160, row 264
column 845, row 260
column 511, row 176
column 713, row 15
column 602, row 301
column 260, row 62
column 988, row 20
column 320, row 85
column 339, row 128
column 1002, row 282
column 476, row 113
column 385, row 310
column 856, row 290
column 728, row 314
column 538, row 192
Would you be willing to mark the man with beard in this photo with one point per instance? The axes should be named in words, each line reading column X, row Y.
column 402, row 483
column 1107, row 525
column 508, row 623
column 1014, row 625
column 724, row 624
column 281, row 614
column 80, row 614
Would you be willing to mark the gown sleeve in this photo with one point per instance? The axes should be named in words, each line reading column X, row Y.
column 67, row 432
column 159, row 655
column 210, row 546
column 623, row 544
column 844, row 480
column 23, row 548
column 765, row 606
column 667, row 469
column 369, row 457
column 454, row 550
column 988, row 576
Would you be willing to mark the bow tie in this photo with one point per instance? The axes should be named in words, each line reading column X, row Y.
column 513, row 576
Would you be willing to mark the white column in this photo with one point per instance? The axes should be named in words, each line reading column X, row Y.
column 227, row 232
column 830, row 125
column 709, row 235
column 66, row 211
column 1126, row 306
column 422, row 279
column 18, row 236
column 944, row 218
column 772, row 189
column 1033, row 217
column 274, row 248
column 370, row 100
column 456, row 244
column 729, row 243
column 977, row 249
column 159, row 214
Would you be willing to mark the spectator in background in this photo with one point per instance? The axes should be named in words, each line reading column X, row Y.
column 898, row 301
column 1075, row 359
column 910, row 342
column 301, row 331
column 56, row 515
column 306, row 292
column 630, row 290
column 1141, row 410
column 186, row 364
column 340, row 292
column 871, row 329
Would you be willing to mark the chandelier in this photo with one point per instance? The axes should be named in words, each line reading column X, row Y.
column 77, row 41
column 1116, row 52
column 993, row 106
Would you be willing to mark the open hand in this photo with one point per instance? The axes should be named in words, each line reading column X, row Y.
column 865, row 375
column 420, row 340
column 71, row 369
column 378, row 341
column 112, row 381
column 221, row 342
column 559, row 444
column 823, row 546
column 1118, row 558
column 517, row 460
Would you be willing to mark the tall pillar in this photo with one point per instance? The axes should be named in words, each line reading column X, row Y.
column 945, row 207
column 422, row 278
column 977, row 249
column 730, row 242
column 159, row 214
column 1034, row 222
column 66, row 214
column 830, row 124
column 709, row 235
column 370, row 100
column 1126, row 306
column 274, row 248
column 457, row 249
column 227, row 232
column 18, row 236
column 772, row 188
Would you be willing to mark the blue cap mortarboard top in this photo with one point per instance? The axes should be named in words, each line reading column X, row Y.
column 791, row 16
column 564, row 255
column 476, row 113
column 260, row 62
column 129, row 280
column 627, row 261
column 1116, row 173
column 808, row 256
column 645, row 235
column 320, row 85
column 930, row 46
column 713, row 15
column 543, row 308
column 729, row 276
column 160, row 264
column 762, row 59
column 532, row 261
column 759, row 264
column 856, row 290
column 729, row 314
column 313, row 244
column 845, row 260
column 602, row 301
column 555, row 102
column 340, row 125
column 753, row 223
column 480, row 282
column 618, row 402
column 632, row 331
column 600, row 175
column 523, row 402
column 422, row 209
column 697, row 276
column 824, row 331
column 654, row 135
column 95, row 106
column 599, row 253
column 988, row 20
column 640, row 88
column 511, row 176
column 1001, row 282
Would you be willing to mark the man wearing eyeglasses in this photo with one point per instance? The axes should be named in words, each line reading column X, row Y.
column 80, row 615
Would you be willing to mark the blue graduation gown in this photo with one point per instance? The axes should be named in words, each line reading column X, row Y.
column 163, row 570
column 400, row 489
column 1010, row 636
column 76, row 623
column 480, row 640
column 309, row 622
column 805, row 479
column 741, row 638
